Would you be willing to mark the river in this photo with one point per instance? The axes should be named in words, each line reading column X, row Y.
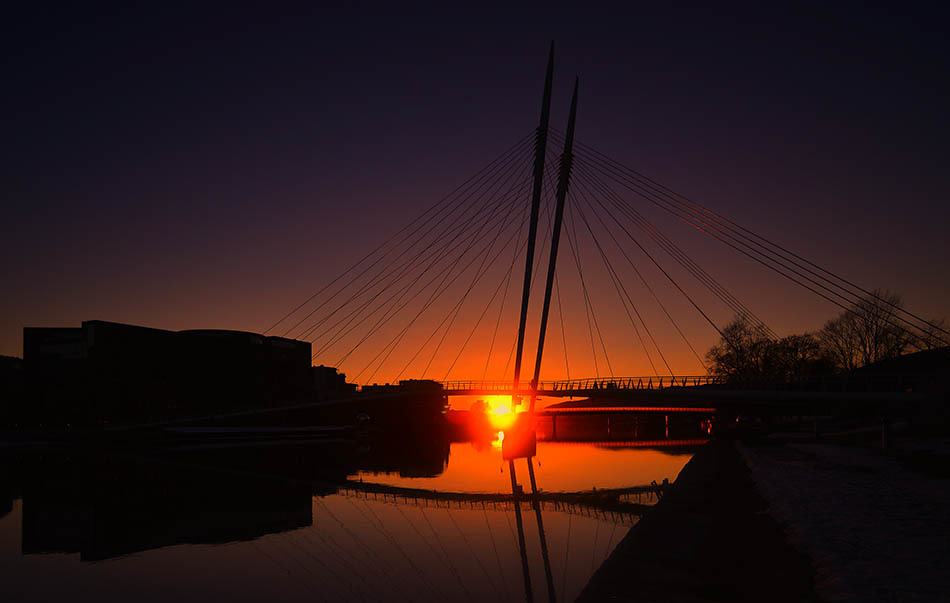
column 420, row 516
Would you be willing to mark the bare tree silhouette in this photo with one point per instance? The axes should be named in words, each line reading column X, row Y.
column 867, row 332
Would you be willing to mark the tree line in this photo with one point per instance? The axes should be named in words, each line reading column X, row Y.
column 865, row 333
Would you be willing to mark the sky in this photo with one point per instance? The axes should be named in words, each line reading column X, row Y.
column 183, row 167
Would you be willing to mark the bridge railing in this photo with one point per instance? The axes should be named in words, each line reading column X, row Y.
column 871, row 382
column 587, row 384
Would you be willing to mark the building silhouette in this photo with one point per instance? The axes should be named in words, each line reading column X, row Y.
column 105, row 372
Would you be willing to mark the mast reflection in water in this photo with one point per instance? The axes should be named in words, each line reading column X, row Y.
column 434, row 515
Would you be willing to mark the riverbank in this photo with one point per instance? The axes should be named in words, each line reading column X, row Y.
column 710, row 538
column 874, row 523
column 787, row 517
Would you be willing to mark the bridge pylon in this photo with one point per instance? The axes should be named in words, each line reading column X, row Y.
column 564, row 177
column 540, row 151
column 563, row 182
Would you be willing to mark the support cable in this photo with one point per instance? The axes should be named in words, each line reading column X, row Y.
column 451, row 232
column 461, row 202
column 444, row 556
column 584, row 188
column 675, row 252
column 371, row 554
column 436, row 257
column 575, row 252
column 286, row 569
column 319, row 578
column 479, row 273
column 769, row 261
column 552, row 186
column 548, row 194
column 490, row 166
column 567, row 553
column 783, row 269
column 323, row 546
column 667, row 245
column 560, row 315
column 501, row 572
column 348, row 583
column 695, row 208
column 506, row 278
column 471, row 549
column 619, row 286
column 669, row 277
column 786, row 267
column 593, row 548
column 352, row 564
column 501, row 308
column 381, row 528
column 439, row 290
column 454, row 311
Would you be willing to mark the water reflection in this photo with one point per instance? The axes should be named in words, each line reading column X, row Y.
column 341, row 518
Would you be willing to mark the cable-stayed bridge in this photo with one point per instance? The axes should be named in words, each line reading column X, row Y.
column 439, row 299
column 435, row 309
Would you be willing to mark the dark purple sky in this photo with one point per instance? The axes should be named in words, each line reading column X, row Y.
column 190, row 168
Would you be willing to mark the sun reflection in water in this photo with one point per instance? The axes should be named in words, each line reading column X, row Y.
column 499, row 438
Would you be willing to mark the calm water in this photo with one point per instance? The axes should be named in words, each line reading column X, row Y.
column 410, row 518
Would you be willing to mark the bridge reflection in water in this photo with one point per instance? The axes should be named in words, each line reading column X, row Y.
column 408, row 518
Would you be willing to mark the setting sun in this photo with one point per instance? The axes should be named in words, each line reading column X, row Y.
column 502, row 417
column 499, row 411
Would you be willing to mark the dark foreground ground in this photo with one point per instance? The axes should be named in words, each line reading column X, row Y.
column 709, row 539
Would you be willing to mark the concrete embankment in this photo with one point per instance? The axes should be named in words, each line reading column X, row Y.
column 709, row 539
column 874, row 522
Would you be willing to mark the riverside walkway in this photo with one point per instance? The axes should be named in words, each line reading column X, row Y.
column 708, row 539
column 874, row 522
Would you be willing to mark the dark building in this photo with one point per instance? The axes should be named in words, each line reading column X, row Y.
column 103, row 505
column 105, row 372
column 408, row 386
column 412, row 403
column 328, row 381
column 12, row 380
column 102, row 508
